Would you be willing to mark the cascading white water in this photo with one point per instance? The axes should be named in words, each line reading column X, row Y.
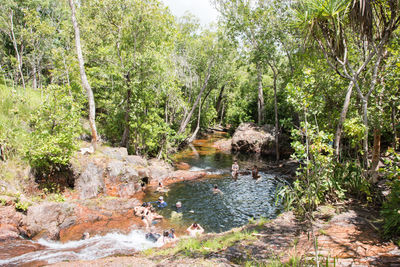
column 89, row 249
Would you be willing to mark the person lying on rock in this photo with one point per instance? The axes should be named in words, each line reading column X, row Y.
column 153, row 216
column 195, row 229
column 139, row 210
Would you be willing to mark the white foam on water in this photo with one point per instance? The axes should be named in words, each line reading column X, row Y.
column 89, row 249
column 195, row 169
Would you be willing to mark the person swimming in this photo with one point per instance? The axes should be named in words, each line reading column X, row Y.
column 216, row 190
column 254, row 172
column 178, row 212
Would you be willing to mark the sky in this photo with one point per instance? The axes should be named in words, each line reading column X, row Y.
column 202, row 9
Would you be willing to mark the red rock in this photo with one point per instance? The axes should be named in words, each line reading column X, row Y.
column 8, row 231
column 182, row 166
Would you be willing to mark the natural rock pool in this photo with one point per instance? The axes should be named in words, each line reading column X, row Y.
column 242, row 199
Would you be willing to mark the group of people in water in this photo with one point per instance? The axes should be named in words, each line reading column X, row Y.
column 149, row 216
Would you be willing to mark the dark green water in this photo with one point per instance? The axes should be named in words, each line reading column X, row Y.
column 242, row 199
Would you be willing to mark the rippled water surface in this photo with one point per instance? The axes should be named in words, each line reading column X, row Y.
column 242, row 199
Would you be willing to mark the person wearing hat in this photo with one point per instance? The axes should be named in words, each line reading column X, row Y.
column 161, row 203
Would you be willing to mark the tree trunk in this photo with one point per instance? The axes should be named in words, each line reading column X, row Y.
column 19, row 57
column 125, row 135
column 187, row 118
column 376, row 150
column 219, row 100
column 393, row 118
column 260, row 99
column 85, row 83
column 365, row 141
column 34, row 78
column 276, row 114
column 342, row 118
column 198, row 125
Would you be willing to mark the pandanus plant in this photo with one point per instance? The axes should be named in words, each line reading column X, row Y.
column 352, row 35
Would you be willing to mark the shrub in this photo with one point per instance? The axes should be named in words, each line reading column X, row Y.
column 55, row 127
column 391, row 207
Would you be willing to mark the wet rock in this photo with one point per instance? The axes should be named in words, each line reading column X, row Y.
column 8, row 215
column 178, row 176
column 8, row 231
column 47, row 218
column 90, row 182
column 182, row 166
column 136, row 160
column 224, row 145
column 119, row 153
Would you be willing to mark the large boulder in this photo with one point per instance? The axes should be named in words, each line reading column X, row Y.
column 250, row 138
column 136, row 160
column 48, row 218
column 90, row 182
column 159, row 169
column 10, row 223
column 119, row 153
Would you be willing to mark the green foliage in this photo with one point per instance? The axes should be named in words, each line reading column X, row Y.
column 190, row 246
column 55, row 127
column 314, row 185
column 16, row 107
column 20, row 205
column 391, row 206
column 354, row 130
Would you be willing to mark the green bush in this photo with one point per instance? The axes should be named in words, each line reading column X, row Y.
column 16, row 107
column 314, row 184
column 55, row 127
column 391, row 207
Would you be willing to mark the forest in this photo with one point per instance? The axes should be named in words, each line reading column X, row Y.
column 127, row 73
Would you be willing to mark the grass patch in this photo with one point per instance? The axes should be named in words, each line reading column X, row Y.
column 192, row 246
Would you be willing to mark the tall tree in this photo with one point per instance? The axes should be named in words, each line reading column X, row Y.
column 352, row 35
column 85, row 82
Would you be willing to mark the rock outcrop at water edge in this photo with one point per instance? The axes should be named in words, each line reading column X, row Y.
column 250, row 138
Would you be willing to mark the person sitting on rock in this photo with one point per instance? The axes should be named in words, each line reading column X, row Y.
column 235, row 169
column 172, row 235
column 85, row 236
column 254, row 172
column 195, row 229
column 153, row 237
column 164, row 239
column 161, row 188
column 216, row 190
